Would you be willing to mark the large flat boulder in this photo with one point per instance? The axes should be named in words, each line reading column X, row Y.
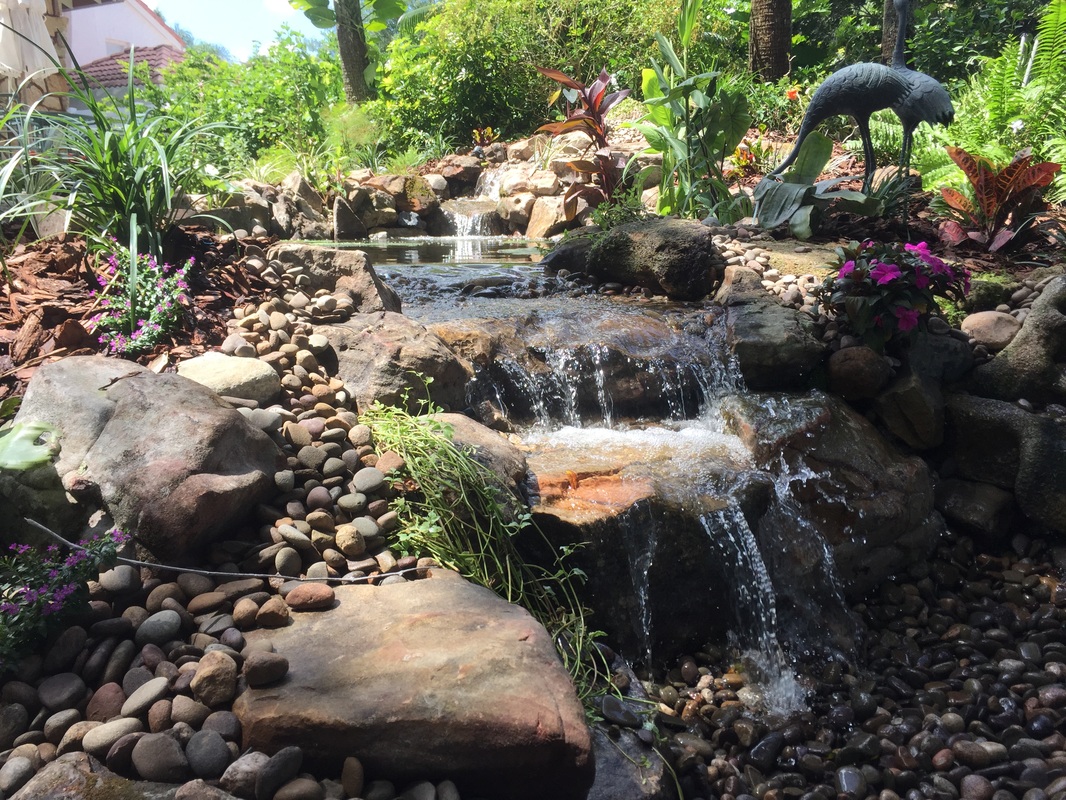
column 432, row 679
column 171, row 462
column 389, row 357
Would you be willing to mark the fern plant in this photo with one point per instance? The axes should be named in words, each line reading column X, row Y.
column 1017, row 100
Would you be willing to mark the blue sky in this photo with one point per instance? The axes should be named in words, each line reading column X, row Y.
column 234, row 24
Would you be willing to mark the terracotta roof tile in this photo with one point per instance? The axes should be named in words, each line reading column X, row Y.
column 110, row 71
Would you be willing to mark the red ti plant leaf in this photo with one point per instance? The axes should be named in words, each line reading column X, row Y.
column 1003, row 237
column 560, row 77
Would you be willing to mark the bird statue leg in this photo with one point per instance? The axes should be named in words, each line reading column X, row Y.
column 867, row 154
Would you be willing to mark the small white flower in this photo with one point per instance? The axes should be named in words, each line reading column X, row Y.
column 211, row 170
column 1017, row 126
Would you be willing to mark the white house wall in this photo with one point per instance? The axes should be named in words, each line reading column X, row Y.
column 98, row 31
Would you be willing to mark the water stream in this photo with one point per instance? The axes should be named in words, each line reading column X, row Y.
column 621, row 389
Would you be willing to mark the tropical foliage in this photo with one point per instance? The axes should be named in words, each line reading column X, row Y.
column 1001, row 202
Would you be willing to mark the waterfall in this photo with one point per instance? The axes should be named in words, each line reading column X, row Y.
column 755, row 611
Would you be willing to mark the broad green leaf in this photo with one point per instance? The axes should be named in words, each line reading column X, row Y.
column 652, row 90
column 776, row 202
column 728, row 123
column 18, row 445
column 686, row 21
column 800, row 223
column 815, row 153
column 321, row 17
column 669, row 56
column 655, row 135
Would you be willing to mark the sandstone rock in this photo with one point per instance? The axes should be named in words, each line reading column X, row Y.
column 202, row 466
column 1033, row 365
column 215, row 681
column 913, row 410
column 75, row 776
column 674, row 257
column 776, row 346
column 461, row 172
column 648, row 368
column 515, row 209
column 511, row 719
column 379, row 356
column 310, row 202
column 879, row 516
column 247, row 378
column 326, row 267
column 347, row 227
column 993, row 329
column 996, row 442
column 547, row 218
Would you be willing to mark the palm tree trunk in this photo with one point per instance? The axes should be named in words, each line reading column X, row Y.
column 770, row 38
column 889, row 26
column 351, row 41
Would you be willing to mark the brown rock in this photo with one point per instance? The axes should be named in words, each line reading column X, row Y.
column 274, row 613
column 215, row 681
column 310, row 597
column 501, row 712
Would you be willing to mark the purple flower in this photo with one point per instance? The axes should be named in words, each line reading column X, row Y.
column 8, row 608
column 907, row 318
column 846, row 269
column 884, row 273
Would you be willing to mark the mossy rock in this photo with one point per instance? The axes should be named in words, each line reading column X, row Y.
column 986, row 294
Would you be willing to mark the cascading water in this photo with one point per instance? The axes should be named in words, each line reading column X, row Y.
column 701, row 467
column 757, row 633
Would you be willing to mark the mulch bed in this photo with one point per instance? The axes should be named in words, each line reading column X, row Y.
column 47, row 299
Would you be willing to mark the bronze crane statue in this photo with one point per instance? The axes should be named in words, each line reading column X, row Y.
column 857, row 90
column 927, row 101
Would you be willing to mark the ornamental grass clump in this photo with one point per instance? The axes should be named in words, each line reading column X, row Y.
column 140, row 302
column 882, row 291
column 40, row 588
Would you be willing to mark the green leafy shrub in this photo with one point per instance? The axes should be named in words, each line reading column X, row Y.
column 1016, row 100
column 469, row 64
column 695, row 122
column 882, row 290
column 283, row 95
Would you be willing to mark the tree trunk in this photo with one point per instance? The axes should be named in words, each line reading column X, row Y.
column 351, row 41
column 889, row 26
column 770, row 38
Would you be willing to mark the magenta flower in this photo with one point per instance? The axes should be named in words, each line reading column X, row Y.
column 921, row 280
column 907, row 318
column 845, row 270
column 884, row 273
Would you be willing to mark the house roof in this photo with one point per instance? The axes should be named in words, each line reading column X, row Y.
column 110, row 71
